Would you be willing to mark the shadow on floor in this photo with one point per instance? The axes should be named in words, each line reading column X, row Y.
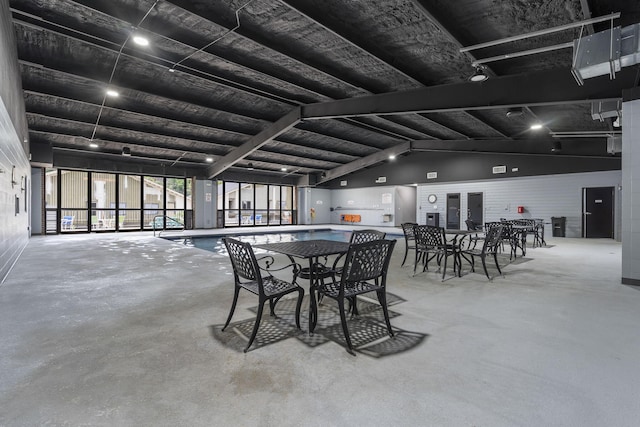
column 367, row 330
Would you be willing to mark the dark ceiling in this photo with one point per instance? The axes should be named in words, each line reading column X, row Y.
column 322, row 87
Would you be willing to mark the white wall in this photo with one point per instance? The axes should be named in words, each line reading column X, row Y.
column 372, row 204
column 318, row 199
column 631, row 192
column 542, row 196
column 14, row 227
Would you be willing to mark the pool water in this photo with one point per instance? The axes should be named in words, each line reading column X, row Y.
column 215, row 244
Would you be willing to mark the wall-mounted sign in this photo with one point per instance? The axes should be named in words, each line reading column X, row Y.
column 343, row 183
column 381, row 179
column 432, row 175
column 387, row 198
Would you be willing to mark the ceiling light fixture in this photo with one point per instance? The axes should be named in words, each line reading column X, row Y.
column 172, row 70
column 141, row 41
column 392, row 156
column 126, row 151
column 557, row 147
column 616, row 122
column 93, row 145
column 283, row 169
column 209, row 159
column 479, row 75
column 536, row 126
column 515, row 112
column 113, row 93
column 250, row 166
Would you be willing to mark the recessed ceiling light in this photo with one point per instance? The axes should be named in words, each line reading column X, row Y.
column 536, row 126
column 209, row 159
column 172, row 70
column 113, row 93
column 479, row 75
column 141, row 41
column 93, row 145
column 392, row 157
column 283, row 169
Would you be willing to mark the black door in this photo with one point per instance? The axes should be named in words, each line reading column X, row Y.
column 598, row 212
column 474, row 208
column 453, row 211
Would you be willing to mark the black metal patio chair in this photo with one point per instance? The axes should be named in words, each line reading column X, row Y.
column 409, row 239
column 490, row 247
column 431, row 242
column 365, row 270
column 248, row 274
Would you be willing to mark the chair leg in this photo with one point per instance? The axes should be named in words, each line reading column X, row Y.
column 382, row 299
column 272, row 306
column 406, row 252
column 233, row 307
column 345, row 329
column 444, row 269
column 495, row 258
column 484, row 265
column 255, row 326
column 298, row 306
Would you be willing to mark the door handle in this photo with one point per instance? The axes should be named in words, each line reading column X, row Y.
column 587, row 213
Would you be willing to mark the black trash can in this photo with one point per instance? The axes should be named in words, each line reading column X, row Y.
column 558, row 225
column 433, row 219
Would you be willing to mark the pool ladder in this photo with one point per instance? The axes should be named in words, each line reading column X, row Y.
column 164, row 223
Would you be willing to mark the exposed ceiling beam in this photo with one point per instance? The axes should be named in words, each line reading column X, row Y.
column 356, row 165
column 475, row 116
column 341, row 36
column 241, row 32
column 552, row 87
column 163, row 63
column 280, row 126
column 182, row 121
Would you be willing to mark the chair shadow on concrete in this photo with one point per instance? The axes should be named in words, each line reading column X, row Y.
column 369, row 333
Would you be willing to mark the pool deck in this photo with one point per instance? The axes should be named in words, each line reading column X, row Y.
column 124, row 329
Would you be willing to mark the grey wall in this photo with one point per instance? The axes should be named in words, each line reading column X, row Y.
column 405, row 203
column 318, row 199
column 14, row 163
column 36, row 208
column 370, row 203
column 205, row 203
column 453, row 167
column 542, row 197
column 631, row 192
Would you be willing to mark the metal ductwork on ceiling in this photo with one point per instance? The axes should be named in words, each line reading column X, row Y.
column 606, row 52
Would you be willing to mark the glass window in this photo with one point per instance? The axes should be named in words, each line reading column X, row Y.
column 103, row 199
column 130, row 190
column 232, row 200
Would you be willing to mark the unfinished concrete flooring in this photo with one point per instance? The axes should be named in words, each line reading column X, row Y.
column 123, row 330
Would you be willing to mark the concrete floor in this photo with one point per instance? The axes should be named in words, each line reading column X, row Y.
column 124, row 330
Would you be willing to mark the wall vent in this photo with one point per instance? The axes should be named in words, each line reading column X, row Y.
column 499, row 169
column 432, row 175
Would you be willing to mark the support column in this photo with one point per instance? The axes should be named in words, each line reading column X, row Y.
column 631, row 187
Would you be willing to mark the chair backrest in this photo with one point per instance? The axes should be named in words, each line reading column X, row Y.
column 506, row 229
column 492, row 239
column 367, row 261
column 362, row 236
column 429, row 236
column 407, row 229
column 472, row 225
column 243, row 260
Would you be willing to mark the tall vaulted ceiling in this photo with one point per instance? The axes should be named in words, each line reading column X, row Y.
column 320, row 87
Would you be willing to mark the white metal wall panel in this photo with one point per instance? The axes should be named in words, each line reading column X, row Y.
column 631, row 192
column 542, row 197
